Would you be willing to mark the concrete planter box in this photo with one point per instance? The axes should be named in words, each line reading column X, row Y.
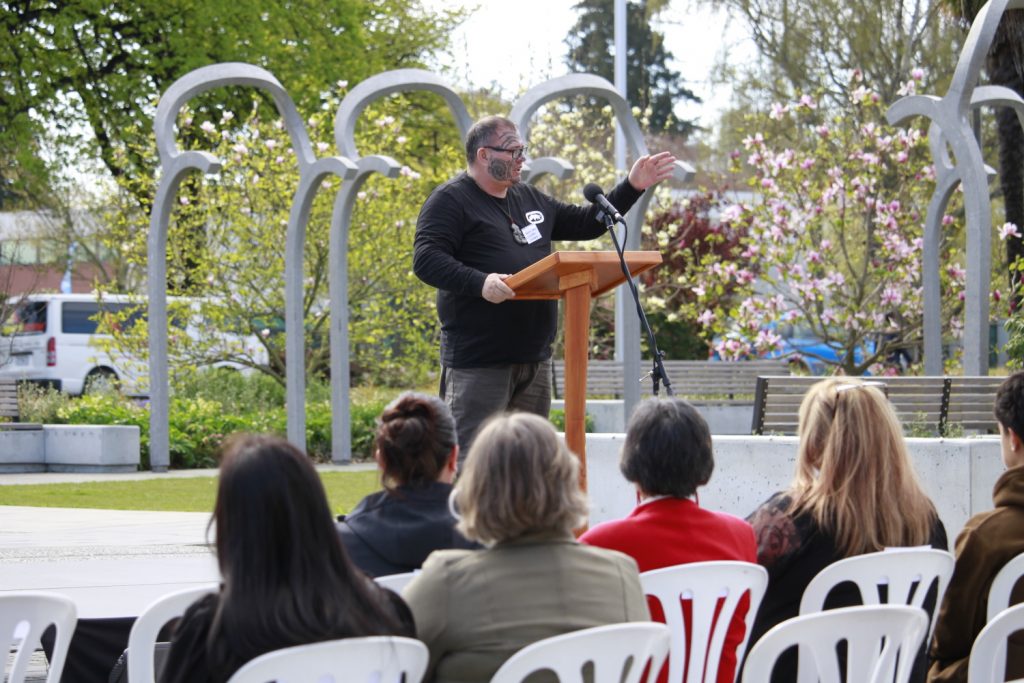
column 958, row 475
column 22, row 450
column 91, row 448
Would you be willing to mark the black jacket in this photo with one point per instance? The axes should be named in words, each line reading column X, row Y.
column 463, row 234
column 393, row 532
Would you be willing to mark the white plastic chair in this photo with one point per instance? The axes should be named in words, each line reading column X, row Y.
column 988, row 654
column 874, row 636
column 702, row 585
column 610, row 648
column 23, row 618
column 395, row 582
column 383, row 659
column 907, row 573
column 146, row 629
column 1002, row 586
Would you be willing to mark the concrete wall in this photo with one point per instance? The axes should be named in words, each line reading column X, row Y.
column 71, row 448
column 958, row 475
column 608, row 418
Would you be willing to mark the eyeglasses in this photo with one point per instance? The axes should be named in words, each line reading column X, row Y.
column 517, row 153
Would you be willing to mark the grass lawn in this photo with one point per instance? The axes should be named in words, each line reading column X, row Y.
column 190, row 494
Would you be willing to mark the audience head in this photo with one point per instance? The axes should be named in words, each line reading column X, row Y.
column 853, row 470
column 416, row 441
column 280, row 555
column 270, row 504
column 667, row 451
column 1009, row 412
column 519, row 479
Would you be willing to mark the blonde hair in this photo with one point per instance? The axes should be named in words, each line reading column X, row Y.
column 854, row 475
column 519, row 479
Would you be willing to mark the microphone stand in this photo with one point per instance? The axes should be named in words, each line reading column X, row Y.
column 657, row 373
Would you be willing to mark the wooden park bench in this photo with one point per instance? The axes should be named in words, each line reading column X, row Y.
column 704, row 381
column 933, row 404
column 9, row 412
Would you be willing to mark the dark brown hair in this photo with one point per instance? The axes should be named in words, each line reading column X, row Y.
column 415, row 437
column 286, row 577
column 667, row 451
column 1009, row 404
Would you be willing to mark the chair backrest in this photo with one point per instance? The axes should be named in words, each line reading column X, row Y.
column 907, row 574
column 611, row 649
column 395, row 582
column 703, row 585
column 988, row 654
column 383, row 659
column 23, row 618
column 874, row 636
column 142, row 638
column 1002, row 586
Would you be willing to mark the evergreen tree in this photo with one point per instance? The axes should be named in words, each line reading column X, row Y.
column 651, row 83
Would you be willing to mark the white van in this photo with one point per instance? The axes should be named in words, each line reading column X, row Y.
column 51, row 339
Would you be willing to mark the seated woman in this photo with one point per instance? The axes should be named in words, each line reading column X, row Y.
column 520, row 497
column 392, row 531
column 286, row 579
column 855, row 492
column 667, row 455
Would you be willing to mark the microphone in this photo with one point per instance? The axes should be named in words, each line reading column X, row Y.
column 595, row 195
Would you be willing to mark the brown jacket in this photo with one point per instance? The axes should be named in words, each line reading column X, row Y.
column 988, row 541
column 475, row 609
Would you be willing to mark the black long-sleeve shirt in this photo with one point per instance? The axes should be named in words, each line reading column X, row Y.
column 463, row 234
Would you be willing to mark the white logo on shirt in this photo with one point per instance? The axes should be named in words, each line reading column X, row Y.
column 535, row 217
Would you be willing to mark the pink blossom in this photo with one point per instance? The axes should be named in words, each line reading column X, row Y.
column 947, row 220
column 767, row 340
column 732, row 213
column 807, row 163
column 807, row 101
column 699, row 290
column 777, row 111
column 917, row 74
column 706, row 318
column 1008, row 230
column 208, row 127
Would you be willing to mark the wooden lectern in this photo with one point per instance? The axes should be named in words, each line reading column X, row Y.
column 577, row 276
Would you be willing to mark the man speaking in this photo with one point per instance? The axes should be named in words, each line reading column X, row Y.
column 473, row 232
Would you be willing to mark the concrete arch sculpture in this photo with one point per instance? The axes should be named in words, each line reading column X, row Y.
column 950, row 125
column 349, row 111
column 176, row 164
column 595, row 86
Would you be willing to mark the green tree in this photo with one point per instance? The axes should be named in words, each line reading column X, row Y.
column 95, row 68
column 651, row 82
column 238, row 270
column 807, row 46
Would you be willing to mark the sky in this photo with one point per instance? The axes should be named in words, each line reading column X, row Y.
column 518, row 45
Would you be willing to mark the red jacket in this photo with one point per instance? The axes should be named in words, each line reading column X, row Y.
column 668, row 531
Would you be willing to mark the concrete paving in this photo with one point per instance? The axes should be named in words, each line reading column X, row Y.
column 39, row 547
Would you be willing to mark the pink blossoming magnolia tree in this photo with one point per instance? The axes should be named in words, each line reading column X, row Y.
column 832, row 239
